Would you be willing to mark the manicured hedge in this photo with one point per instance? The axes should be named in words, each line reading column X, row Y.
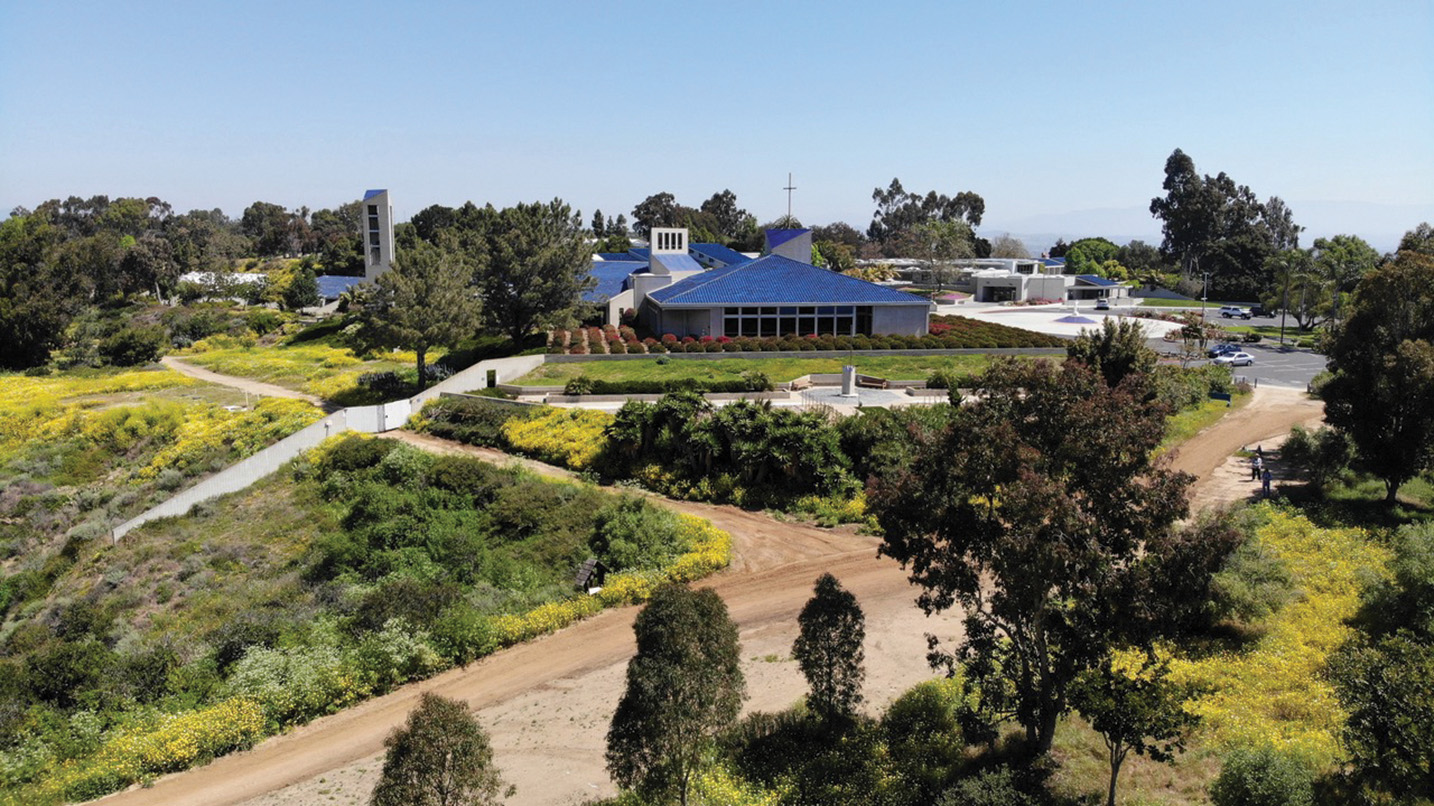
column 946, row 333
column 749, row 382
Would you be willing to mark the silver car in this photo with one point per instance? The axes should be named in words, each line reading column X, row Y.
column 1236, row 359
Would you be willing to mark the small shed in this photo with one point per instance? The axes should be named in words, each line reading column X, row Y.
column 591, row 574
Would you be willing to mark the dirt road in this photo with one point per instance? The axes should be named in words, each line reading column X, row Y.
column 249, row 385
column 1265, row 421
column 547, row 703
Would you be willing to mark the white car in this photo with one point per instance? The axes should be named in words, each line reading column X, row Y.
column 1234, row 359
column 1235, row 312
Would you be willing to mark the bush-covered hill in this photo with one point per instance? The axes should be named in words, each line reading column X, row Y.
column 368, row 564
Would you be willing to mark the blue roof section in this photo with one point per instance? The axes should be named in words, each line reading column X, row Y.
column 1096, row 279
column 331, row 286
column 640, row 252
column 680, row 262
column 718, row 252
column 775, row 280
column 615, row 255
column 369, row 194
column 777, row 237
column 611, row 277
column 1053, row 261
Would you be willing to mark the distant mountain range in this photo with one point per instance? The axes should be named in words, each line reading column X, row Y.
column 1382, row 225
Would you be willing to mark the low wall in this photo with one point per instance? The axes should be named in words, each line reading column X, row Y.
column 247, row 471
column 852, row 356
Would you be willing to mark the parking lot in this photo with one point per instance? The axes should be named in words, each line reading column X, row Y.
column 1274, row 366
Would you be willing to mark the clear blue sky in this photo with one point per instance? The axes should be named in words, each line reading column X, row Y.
column 1042, row 108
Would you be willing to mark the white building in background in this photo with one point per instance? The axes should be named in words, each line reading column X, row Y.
column 377, row 234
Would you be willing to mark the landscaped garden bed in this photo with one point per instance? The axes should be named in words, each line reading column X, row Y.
column 946, row 333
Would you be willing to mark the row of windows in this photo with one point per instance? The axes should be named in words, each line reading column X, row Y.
column 839, row 320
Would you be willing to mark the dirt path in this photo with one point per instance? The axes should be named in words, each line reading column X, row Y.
column 547, row 703
column 1265, row 421
column 249, row 385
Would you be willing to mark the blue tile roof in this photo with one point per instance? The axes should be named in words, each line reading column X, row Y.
column 369, row 194
column 615, row 255
column 777, row 237
column 1096, row 279
column 331, row 286
column 718, row 252
column 1053, row 261
column 776, row 280
column 611, row 278
column 640, row 252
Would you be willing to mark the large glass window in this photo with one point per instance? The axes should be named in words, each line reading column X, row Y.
column 839, row 320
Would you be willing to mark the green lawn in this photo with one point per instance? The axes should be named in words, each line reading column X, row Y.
column 891, row 367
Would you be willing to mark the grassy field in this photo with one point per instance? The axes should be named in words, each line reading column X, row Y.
column 317, row 367
column 892, row 367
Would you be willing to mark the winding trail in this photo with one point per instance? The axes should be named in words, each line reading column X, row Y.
column 547, row 703
column 249, row 385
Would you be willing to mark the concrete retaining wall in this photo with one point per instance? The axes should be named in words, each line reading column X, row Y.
column 365, row 419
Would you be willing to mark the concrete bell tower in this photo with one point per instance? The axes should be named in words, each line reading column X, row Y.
column 377, row 234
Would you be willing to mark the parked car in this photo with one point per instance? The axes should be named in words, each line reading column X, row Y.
column 1222, row 349
column 1102, row 304
column 1260, row 310
column 1235, row 359
column 1234, row 312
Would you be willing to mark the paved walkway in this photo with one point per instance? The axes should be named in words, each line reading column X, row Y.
column 249, row 385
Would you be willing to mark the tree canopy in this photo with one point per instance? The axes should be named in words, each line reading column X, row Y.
column 829, row 649
column 1037, row 509
column 426, row 300
column 440, row 757
column 898, row 210
column 1382, row 359
column 683, row 686
column 1214, row 225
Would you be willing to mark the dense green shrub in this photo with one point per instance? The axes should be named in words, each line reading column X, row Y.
column 753, row 381
column 356, row 453
column 1253, row 584
column 1262, row 777
column 472, row 421
column 134, row 345
column 631, row 533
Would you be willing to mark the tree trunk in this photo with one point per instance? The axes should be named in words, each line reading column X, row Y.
column 1391, row 491
column 422, row 351
column 1115, row 761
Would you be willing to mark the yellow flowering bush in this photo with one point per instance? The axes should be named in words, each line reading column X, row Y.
column 50, row 407
column 174, row 742
column 209, row 430
column 717, row 786
column 315, row 368
column 571, row 438
column 1274, row 693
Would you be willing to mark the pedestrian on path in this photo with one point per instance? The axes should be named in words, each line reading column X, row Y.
column 1256, row 465
column 1267, row 477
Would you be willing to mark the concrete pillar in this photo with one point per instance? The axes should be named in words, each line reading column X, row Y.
column 848, row 381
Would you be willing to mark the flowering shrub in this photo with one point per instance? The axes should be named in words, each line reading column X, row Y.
column 49, row 407
column 208, row 431
column 175, row 742
column 1275, row 694
column 570, row 438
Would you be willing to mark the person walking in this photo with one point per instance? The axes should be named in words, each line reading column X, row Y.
column 1256, row 465
column 1267, row 477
